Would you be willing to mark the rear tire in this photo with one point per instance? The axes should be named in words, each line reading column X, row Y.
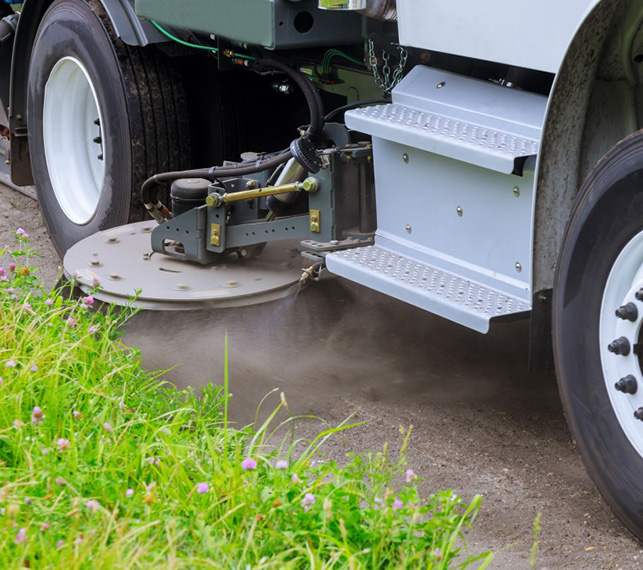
column 80, row 69
column 601, row 269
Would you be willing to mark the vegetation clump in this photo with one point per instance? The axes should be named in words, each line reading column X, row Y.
column 103, row 465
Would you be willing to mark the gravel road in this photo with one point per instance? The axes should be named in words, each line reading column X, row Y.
column 481, row 423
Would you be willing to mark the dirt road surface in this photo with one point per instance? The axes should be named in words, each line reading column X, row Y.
column 481, row 423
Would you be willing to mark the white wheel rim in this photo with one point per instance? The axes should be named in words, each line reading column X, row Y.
column 624, row 281
column 70, row 111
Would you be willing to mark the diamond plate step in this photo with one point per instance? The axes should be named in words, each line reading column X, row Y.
column 466, row 119
column 430, row 288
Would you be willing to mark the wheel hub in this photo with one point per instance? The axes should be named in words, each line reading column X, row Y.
column 621, row 340
column 73, row 139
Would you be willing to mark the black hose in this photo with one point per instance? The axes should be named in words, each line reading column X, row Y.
column 352, row 106
column 149, row 198
column 316, row 108
column 307, row 87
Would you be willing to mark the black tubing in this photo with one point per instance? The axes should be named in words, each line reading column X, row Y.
column 311, row 93
column 352, row 106
column 149, row 197
column 316, row 126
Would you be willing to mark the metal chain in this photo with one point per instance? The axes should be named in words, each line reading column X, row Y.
column 385, row 81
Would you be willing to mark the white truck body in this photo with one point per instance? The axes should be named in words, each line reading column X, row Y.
column 534, row 35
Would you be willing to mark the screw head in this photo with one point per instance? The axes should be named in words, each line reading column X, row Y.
column 441, row 85
column 516, row 191
column 459, row 211
column 518, row 266
column 405, row 158
column 409, row 229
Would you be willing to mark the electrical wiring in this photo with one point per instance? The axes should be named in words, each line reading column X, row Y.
column 195, row 46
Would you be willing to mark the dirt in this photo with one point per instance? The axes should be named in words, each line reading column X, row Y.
column 481, row 423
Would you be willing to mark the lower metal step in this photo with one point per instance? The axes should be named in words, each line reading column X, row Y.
column 440, row 292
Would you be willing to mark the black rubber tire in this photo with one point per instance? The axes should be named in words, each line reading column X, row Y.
column 144, row 109
column 608, row 213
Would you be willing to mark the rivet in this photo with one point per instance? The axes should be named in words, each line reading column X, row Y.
column 182, row 287
column 405, row 158
column 409, row 229
column 518, row 266
column 231, row 284
column 114, row 276
column 516, row 191
column 112, row 240
column 459, row 211
column 95, row 262
column 440, row 85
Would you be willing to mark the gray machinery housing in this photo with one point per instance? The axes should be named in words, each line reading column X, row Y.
column 273, row 24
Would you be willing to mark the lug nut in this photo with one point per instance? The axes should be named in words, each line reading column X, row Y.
column 620, row 346
column 98, row 140
column 627, row 385
column 639, row 295
column 628, row 312
column 639, row 414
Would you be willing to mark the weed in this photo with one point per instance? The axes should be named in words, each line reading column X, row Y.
column 103, row 465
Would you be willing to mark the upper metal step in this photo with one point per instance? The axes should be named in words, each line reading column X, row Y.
column 461, row 118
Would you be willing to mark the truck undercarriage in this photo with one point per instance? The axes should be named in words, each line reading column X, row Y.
column 271, row 140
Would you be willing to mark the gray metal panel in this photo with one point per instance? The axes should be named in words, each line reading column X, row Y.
column 527, row 33
column 418, row 207
column 446, row 294
column 251, row 233
column 243, row 20
column 461, row 118
column 270, row 23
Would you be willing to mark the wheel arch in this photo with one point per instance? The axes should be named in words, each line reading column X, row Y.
column 128, row 27
column 595, row 102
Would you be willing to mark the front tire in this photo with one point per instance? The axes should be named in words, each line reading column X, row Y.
column 601, row 270
column 102, row 117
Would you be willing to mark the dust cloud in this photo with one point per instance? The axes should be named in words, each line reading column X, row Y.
column 333, row 339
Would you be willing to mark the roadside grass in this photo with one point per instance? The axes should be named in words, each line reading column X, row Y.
column 104, row 465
